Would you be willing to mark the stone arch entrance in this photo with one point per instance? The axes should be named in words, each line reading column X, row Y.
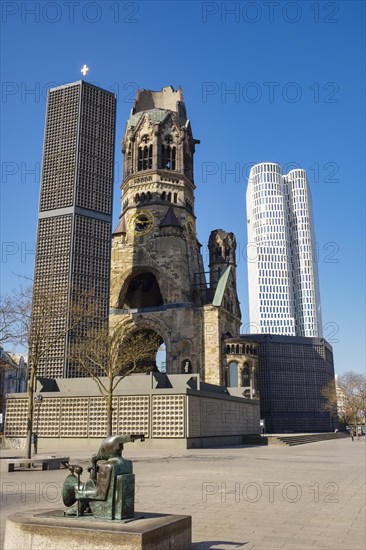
column 147, row 341
column 140, row 322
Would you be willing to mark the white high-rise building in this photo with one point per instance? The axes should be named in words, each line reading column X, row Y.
column 282, row 266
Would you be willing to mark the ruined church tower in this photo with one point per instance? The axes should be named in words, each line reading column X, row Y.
column 157, row 274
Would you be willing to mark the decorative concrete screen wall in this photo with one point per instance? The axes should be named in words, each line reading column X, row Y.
column 175, row 415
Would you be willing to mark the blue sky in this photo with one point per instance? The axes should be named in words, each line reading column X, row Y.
column 262, row 81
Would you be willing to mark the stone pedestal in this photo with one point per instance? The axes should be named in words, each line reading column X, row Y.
column 50, row 529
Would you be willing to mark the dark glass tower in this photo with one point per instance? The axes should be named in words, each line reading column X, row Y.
column 75, row 214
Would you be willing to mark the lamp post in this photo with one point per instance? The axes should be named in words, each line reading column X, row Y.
column 39, row 400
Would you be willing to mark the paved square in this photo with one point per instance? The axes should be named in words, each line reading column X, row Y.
column 296, row 498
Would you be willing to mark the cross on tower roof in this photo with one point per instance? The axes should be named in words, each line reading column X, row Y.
column 84, row 70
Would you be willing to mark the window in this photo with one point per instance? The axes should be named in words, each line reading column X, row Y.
column 245, row 376
column 168, row 154
column 145, row 154
column 233, row 375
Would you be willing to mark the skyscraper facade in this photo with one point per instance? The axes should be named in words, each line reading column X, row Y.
column 282, row 265
column 75, row 215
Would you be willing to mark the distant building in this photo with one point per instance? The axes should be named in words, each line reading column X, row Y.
column 13, row 378
column 282, row 266
column 291, row 374
column 75, row 212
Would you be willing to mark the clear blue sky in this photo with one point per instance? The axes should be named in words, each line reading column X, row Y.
column 296, row 70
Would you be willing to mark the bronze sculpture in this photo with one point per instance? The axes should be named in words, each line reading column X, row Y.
column 109, row 493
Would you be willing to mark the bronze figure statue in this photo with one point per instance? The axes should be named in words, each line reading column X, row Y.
column 109, row 493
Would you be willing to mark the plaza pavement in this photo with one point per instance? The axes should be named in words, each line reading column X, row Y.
column 294, row 498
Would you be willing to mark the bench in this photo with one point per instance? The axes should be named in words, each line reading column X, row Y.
column 48, row 463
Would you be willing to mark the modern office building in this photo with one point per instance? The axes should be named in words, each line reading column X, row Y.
column 75, row 215
column 291, row 374
column 13, row 378
column 282, row 266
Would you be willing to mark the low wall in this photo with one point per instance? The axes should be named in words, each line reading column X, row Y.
column 178, row 416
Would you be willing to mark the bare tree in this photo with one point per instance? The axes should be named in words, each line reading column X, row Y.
column 15, row 315
column 109, row 356
column 330, row 397
column 6, row 320
column 350, row 399
column 49, row 326
column 36, row 321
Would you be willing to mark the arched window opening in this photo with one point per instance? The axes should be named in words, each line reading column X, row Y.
column 163, row 195
column 169, row 197
column 186, row 366
column 145, row 154
column 233, row 375
column 175, row 198
column 143, row 291
column 237, row 348
column 161, row 358
column 246, row 376
column 168, row 154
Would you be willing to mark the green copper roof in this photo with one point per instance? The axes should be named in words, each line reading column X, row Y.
column 221, row 286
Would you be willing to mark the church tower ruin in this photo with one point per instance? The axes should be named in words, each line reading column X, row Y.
column 157, row 274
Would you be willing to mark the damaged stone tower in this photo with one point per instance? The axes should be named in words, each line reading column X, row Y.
column 157, row 274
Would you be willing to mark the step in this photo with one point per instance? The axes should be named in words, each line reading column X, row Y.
column 292, row 440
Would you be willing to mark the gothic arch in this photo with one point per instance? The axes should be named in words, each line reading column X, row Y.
column 169, row 126
column 184, row 345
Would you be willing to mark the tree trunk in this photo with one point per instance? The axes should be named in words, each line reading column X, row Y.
column 356, row 427
column 30, row 414
column 110, row 408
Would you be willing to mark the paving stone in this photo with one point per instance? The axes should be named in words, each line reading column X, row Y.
column 172, row 482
